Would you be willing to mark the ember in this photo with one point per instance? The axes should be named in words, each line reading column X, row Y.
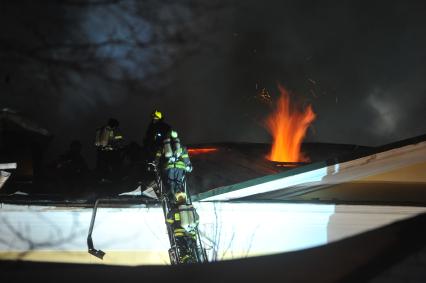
column 195, row 151
column 288, row 126
column 289, row 164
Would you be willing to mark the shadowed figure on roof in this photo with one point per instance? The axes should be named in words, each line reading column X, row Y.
column 155, row 134
column 72, row 169
column 109, row 144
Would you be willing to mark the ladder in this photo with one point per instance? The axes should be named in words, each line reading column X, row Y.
column 177, row 246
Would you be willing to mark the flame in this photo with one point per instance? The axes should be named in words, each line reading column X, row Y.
column 195, row 151
column 288, row 126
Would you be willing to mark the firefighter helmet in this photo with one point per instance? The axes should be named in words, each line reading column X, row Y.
column 157, row 115
column 180, row 197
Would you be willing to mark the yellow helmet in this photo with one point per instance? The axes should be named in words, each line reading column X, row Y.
column 157, row 115
column 180, row 197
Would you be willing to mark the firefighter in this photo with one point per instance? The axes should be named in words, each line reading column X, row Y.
column 109, row 142
column 155, row 134
column 72, row 168
column 174, row 160
column 183, row 221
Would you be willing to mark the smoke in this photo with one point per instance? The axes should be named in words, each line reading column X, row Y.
column 386, row 113
column 71, row 65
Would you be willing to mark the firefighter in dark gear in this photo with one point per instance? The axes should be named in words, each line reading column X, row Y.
column 183, row 221
column 109, row 142
column 72, row 168
column 174, row 160
column 155, row 134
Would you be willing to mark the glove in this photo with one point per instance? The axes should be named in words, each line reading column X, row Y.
column 188, row 169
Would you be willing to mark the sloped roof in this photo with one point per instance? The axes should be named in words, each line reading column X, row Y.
column 12, row 119
column 398, row 165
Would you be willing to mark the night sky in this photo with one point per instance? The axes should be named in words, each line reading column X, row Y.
column 70, row 65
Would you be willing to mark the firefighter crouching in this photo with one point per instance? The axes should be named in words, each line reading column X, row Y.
column 183, row 221
column 174, row 160
column 109, row 142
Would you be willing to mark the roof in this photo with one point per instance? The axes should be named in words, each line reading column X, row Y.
column 12, row 119
column 395, row 170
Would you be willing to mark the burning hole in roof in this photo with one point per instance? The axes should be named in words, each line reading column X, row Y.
column 202, row 150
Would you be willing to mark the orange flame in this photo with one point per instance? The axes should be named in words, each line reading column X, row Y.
column 195, row 151
column 288, row 126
